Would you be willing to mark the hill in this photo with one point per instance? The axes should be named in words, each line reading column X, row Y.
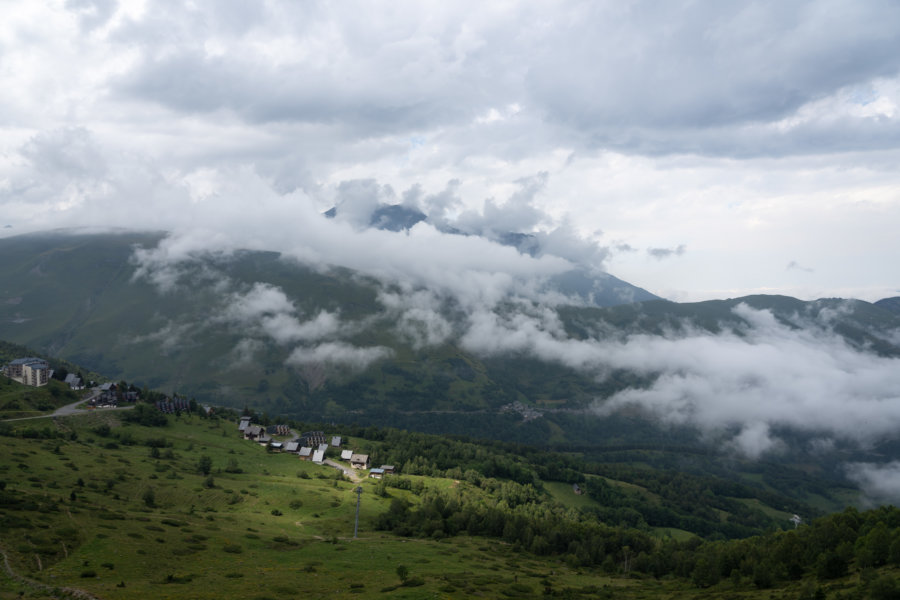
column 188, row 509
column 758, row 389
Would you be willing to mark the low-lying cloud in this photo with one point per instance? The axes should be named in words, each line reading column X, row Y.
column 739, row 385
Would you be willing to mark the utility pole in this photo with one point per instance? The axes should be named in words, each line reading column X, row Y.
column 356, row 526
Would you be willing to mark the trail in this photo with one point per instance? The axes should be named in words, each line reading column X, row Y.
column 68, row 410
column 52, row 591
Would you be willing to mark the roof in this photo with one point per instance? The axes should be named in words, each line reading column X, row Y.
column 336, row 440
column 253, row 430
column 376, row 471
column 277, row 445
column 323, row 447
column 346, row 454
column 29, row 360
column 305, row 451
column 319, row 456
column 292, row 446
column 359, row 458
column 387, row 467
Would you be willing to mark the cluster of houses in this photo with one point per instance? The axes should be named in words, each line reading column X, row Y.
column 309, row 445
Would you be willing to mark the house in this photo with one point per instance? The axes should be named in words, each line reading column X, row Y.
column 244, row 424
column 346, row 454
column 376, row 473
column 388, row 469
column 30, row 371
column 336, row 441
column 305, row 453
column 293, row 446
column 318, row 456
column 577, row 489
column 277, row 446
column 74, row 382
column 282, row 430
column 253, row 432
column 359, row 461
column 264, row 439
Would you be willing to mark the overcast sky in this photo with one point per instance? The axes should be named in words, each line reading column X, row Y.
column 696, row 149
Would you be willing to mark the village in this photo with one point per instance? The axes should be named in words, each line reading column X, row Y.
column 312, row 446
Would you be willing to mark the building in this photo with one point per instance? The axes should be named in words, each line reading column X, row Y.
column 336, row 441
column 359, row 461
column 30, row 371
column 388, row 469
column 74, row 382
column 244, row 424
column 346, row 454
column 318, row 456
column 376, row 473
column 305, row 453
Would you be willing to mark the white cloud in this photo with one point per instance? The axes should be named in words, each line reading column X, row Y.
column 879, row 482
column 337, row 354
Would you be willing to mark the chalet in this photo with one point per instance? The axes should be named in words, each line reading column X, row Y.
column 359, row 461
column 305, row 453
column 244, row 424
column 282, row 430
column 336, row 441
column 346, row 454
column 74, row 382
column 264, row 439
column 376, row 473
column 293, row 446
column 319, row 456
column 388, row 469
column 30, row 371
column 577, row 489
column 252, row 432
column 277, row 446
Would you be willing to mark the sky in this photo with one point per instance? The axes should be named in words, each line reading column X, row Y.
column 697, row 149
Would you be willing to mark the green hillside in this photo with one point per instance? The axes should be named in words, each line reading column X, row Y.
column 101, row 503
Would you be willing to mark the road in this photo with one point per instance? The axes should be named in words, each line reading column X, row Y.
column 70, row 409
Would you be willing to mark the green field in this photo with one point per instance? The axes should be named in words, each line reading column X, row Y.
column 124, row 511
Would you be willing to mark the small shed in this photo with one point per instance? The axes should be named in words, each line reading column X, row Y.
column 388, row 469
column 376, row 473
column 244, row 424
column 277, row 446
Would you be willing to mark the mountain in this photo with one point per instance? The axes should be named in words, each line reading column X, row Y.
column 891, row 304
column 797, row 383
column 588, row 285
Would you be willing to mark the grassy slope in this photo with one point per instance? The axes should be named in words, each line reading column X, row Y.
column 229, row 542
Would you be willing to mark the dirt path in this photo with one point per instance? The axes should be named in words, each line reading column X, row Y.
column 350, row 472
column 66, row 592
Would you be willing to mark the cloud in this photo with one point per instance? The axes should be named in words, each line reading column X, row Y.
column 337, row 354
column 795, row 266
column 661, row 253
column 740, row 384
column 879, row 482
